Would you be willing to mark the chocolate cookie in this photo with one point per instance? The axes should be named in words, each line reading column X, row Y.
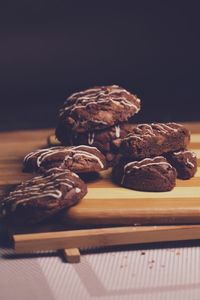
column 97, row 108
column 102, row 139
column 79, row 159
column 43, row 196
column 107, row 141
column 185, row 163
column 149, row 140
column 150, row 174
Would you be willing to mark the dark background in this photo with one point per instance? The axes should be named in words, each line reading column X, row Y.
column 51, row 49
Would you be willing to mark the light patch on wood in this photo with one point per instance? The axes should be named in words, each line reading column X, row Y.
column 197, row 151
column 198, row 173
column 123, row 193
column 195, row 138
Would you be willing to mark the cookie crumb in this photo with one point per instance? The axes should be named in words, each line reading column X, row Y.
column 151, row 266
column 151, row 261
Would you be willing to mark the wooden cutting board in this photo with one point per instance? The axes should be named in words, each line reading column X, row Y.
column 106, row 203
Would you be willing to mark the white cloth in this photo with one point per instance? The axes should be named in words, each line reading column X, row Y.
column 120, row 273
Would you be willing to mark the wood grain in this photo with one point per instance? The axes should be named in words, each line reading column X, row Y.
column 72, row 255
column 85, row 238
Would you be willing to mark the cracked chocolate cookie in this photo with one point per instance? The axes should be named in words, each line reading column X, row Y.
column 79, row 159
column 150, row 174
column 185, row 163
column 96, row 109
column 43, row 196
column 149, row 140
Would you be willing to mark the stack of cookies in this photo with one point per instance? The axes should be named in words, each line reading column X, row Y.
column 95, row 133
column 153, row 156
column 58, row 186
column 97, row 117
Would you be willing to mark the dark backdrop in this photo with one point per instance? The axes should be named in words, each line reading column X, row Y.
column 51, row 49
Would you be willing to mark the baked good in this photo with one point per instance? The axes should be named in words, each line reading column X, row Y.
column 150, row 174
column 149, row 140
column 43, row 196
column 104, row 140
column 107, row 141
column 185, row 163
column 79, row 159
column 97, row 108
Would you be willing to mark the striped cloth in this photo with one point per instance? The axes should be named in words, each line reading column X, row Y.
column 168, row 272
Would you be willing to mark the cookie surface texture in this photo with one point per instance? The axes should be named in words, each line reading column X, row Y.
column 185, row 163
column 98, row 108
column 43, row 196
column 150, row 174
column 78, row 159
column 149, row 140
